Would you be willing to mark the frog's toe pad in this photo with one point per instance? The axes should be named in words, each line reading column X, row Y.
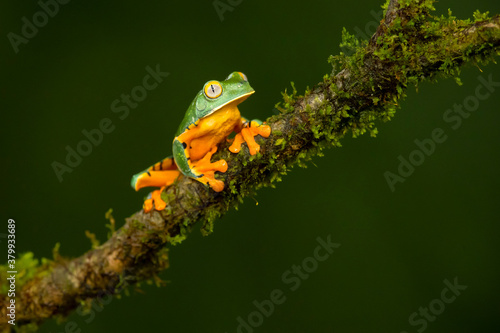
column 236, row 145
column 203, row 168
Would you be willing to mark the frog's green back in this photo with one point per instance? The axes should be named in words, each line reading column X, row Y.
column 190, row 116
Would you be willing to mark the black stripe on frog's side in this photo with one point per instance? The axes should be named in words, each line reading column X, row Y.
column 190, row 126
column 184, row 145
column 149, row 174
column 165, row 164
column 160, row 164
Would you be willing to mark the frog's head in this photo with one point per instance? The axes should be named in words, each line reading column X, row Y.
column 217, row 94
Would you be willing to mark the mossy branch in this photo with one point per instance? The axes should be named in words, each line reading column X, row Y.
column 409, row 46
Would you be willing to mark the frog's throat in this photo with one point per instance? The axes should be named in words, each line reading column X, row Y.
column 235, row 101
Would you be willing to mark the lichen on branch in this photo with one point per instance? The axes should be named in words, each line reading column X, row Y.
column 367, row 81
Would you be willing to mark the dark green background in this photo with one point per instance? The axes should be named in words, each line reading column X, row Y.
column 396, row 248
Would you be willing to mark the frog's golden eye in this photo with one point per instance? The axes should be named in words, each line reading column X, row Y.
column 243, row 76
column 213, row 89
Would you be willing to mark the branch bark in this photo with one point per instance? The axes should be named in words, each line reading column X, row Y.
column 409, row 46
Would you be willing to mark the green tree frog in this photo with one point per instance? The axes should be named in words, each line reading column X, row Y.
column 212, row 116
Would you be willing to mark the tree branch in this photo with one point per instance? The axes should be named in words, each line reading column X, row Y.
column 409, row 46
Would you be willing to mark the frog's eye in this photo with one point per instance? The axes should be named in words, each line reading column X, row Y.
column 213, row 89
column 243, row 76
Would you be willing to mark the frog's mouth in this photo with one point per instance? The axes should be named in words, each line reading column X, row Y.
column 236, row 101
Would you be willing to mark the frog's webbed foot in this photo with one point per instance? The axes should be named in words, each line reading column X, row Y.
column 154, row 201
column 205, row 170
column 248, row 132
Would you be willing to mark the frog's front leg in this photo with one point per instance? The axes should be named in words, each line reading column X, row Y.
column 202, row 170
column 247, row 130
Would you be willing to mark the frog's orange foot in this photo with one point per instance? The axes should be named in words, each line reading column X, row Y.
column 206, row 170
column 208, row 178
column 155, row 201
column 247, row 135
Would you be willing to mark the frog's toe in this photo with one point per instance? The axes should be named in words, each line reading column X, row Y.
column 160, row 205
column 236, row 145
column 202, row 169
column 216, row 185
column 222, row 166
column 148, row 205
column 209, row 179
column 261, row 129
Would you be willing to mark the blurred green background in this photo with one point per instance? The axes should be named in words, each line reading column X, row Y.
column 397, row 247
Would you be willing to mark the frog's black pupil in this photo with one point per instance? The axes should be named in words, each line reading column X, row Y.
column 213, row 89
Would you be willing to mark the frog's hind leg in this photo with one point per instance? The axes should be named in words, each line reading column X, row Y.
column 160, row 174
